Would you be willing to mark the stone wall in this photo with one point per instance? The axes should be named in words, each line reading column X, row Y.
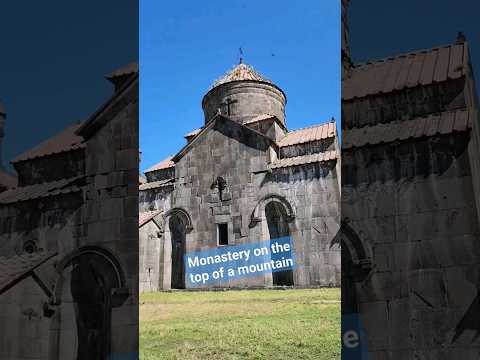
column 54, row 167
column 50, row 224
column 411, row 208
column 248, row 99
column 404, row 105
column 151, row 256
column 155, row 198
column 111, row 219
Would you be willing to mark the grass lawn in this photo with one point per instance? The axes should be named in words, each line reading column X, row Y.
column 250, row 324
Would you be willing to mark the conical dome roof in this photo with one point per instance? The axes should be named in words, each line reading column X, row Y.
column 243, row 94
column 241, row 72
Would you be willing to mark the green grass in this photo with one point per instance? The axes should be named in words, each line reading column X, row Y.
column 250, row 324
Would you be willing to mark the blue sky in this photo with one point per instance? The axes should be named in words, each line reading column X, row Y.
column 53, row 61
column 380, row 29
column 186, row 45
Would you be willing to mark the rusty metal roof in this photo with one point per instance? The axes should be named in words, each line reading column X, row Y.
column 304, row 159
column 444, row 123
column 240, row 72
column 312, row 133
column 16, row 267
column 422, row 67
column 145, row 217
column 36, row 191
column 155, row 184
column 164, row 164
column 64, row 141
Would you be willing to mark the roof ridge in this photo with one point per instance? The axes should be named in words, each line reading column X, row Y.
column 64, row 140
column 311, row 126
column 413, row 52
column 155, row 166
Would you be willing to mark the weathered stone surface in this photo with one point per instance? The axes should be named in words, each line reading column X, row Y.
column 88, row 229
column 410, row 222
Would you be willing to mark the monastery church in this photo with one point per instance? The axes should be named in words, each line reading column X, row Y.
column 241, row 178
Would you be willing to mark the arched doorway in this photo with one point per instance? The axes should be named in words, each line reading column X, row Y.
column 356, row 266
column 178, row 232
column 277, row 222
column 90, row 285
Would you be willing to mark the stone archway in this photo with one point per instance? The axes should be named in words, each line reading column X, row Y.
column 257, row 214
column 356, row 266
column 275, row 217
column 278, row 227
column 90, row 284
column 177, row 225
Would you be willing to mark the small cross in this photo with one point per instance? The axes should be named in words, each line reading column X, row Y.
column 227, row 103
column 220, row 184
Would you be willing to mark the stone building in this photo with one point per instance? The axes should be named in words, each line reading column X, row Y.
column 411, row 201
column 241, row 178
column 69, row 239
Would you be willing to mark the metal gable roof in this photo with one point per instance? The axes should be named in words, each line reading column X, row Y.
column 312, row 133
column 164, row 164
column 441, row 124
column 422, row 67
column 66, row 140
column 35, row 191
column 305, row 159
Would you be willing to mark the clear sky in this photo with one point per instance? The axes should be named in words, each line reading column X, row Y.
column 380, row 28
column 186, row 45
column 53, row 58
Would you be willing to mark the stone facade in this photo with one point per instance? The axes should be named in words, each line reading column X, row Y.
column 69, row 255
column 410, row 209
column 261, row 167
